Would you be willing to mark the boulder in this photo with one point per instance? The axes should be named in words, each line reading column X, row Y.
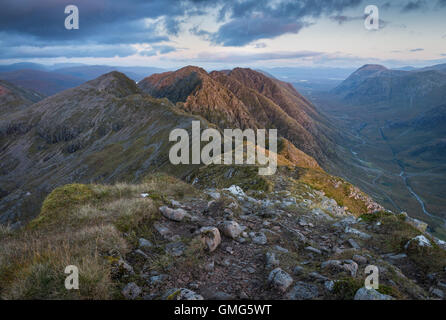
column 131, row 291
column 173, row 214
column 370, row 294
column 303, row 291
column 231, row 229
column 210, row 237
column 280, row 280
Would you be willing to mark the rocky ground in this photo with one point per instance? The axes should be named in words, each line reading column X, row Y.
column 228, row 244
column 167, row 239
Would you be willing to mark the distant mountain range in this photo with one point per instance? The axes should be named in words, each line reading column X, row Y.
column 50, row 80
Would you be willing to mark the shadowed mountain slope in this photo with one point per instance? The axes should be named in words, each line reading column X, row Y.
column 104, row 130
column 14, row 98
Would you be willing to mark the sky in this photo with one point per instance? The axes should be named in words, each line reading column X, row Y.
column 224, row 34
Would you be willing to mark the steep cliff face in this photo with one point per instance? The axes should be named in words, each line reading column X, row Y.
column 248, row 99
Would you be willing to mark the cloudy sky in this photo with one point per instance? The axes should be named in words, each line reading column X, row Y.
column 220, row 34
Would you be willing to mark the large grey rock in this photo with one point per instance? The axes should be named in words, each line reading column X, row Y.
column 231, row 229
column 370, row 294
column 303, row 291
column 280, row 279
column 173, row 214
column 210, row 237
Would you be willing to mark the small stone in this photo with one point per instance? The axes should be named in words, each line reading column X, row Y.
column 303, row 291
column 131, row 291
column 125, row 266
column 210, row 237
column 314, row 250
column 437, row 293
column 144, row 244
column 298, row 270
column 359, row 259
column 329, row 285
column 280, row 280
column 398, row 256
column 158, row 279
column 231, row 229
column 360, row 234
column 279, row 248
column 209, row 266
column 258, row 238
column 330, row 263
column 175, row 203
column 181, row 294
column 251, row 270
column 350, row 266
column 271, row 261
column 141, row 253
column 236, row 191
column 318, row 277
column 173, row 214
column 370, row 294
column 176, row 249
column 353, row 244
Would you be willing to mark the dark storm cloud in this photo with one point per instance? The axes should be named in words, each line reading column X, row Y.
column 257, row 19
column 45, row 18
column 243, row 31
column 118, row 23
column 442, row 3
